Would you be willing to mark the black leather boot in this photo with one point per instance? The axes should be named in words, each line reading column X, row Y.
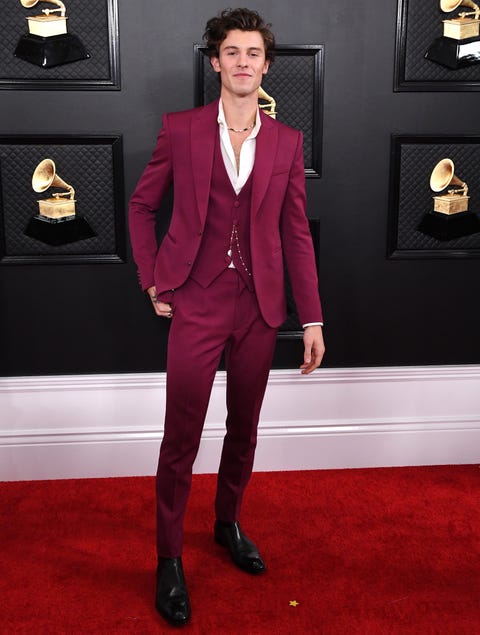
column 171, row 599
column 242, row 550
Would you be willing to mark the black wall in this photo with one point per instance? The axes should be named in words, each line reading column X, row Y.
column 92, row 318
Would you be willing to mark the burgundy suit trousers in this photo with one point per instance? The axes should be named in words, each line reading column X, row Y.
column 207, row 322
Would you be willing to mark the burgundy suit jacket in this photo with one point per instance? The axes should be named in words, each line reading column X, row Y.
column 280, row 233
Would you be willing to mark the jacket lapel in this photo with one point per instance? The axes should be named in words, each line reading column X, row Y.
column 265, row 152
column 203, row 135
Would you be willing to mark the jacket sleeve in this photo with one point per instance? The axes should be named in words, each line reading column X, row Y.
column 297, row 243
column 144, row 203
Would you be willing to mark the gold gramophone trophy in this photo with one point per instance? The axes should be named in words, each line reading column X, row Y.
column 459, row 46
column 267, row 103
column 450, row 217
column 56, row 222
column 48, row 42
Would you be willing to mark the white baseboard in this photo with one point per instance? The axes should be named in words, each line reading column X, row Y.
column 111, row 425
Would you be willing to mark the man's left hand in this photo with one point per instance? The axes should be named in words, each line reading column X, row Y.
column 314, row 348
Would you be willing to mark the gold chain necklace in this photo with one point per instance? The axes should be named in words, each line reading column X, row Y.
column 243, row 130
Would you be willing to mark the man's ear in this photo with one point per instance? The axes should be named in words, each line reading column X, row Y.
column 214, row 61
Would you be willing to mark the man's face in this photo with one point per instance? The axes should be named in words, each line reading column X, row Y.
column 241, row 62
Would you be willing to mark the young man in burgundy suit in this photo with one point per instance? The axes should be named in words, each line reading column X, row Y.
column 238, row 215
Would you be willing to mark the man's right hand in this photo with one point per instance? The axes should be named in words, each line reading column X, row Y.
column 162, row 309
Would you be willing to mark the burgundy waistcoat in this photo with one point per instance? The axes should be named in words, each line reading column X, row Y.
column 226, row 209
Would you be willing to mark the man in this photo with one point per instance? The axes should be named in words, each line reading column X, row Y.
column 238, row 214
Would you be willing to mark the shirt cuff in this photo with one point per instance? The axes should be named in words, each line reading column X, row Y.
column 312, row 324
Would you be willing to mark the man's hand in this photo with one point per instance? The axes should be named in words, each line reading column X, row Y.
column 314, row 348
column 162, row 309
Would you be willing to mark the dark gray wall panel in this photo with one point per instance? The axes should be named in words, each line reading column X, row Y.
column 92, row 318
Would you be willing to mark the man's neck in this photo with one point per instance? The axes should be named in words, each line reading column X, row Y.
column 240, row 112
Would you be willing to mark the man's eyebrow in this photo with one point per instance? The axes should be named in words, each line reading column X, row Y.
column 250, row 48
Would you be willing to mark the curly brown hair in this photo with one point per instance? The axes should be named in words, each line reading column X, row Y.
column 242, row 19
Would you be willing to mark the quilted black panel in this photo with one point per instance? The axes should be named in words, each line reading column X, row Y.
column 295, row 82
column 421, row 25
column 414, row 161
column 90, row 21
column 89, row 168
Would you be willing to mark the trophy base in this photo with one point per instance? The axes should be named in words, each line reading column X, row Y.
column 454, row 54
column 58, row 232
column 447, row 227
column 50, row 51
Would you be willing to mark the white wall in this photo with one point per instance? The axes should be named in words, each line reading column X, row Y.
column 110, row 425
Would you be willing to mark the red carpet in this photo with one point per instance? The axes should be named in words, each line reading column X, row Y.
column 360, row 551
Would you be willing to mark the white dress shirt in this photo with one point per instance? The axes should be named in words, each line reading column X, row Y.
column 247, row 151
